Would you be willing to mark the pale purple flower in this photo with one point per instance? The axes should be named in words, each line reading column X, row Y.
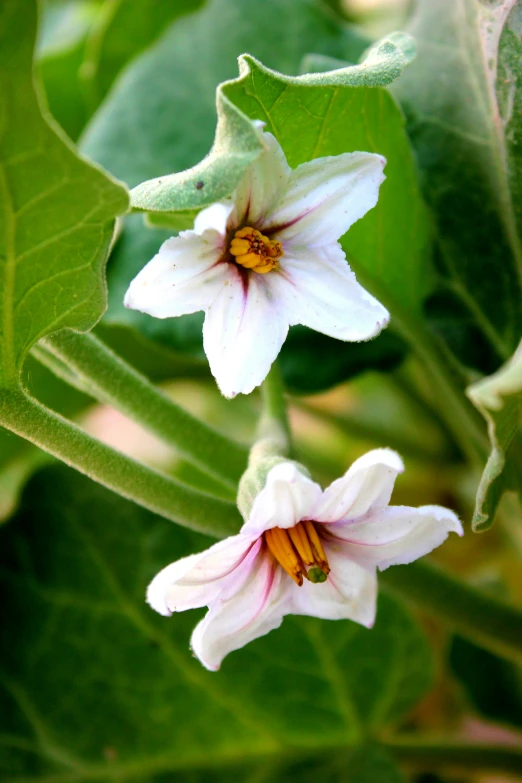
column 266, row 259
column 301, row 551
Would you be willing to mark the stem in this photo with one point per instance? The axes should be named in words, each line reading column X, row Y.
column 84, row 361
column 490, row 623
column 455, row 757
column 274, row 426
column 152, row 490
column 460, row 416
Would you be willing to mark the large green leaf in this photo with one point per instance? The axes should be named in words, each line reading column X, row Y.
column 56, row 211
column 462, row 100
column 122, row 31
column 498, row 695
column 161, row 115
column 63, row 30
column 499, row 399
column 95, row 685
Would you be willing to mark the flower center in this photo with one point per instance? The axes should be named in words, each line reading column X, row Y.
column 255, row 251
column 299, row 551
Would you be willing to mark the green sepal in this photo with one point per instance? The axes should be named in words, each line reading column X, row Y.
column 262, row 460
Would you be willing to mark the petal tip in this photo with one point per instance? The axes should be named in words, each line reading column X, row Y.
column 156, row 599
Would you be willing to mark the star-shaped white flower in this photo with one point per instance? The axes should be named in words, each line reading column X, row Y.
column 266, row 259
column 301, row 551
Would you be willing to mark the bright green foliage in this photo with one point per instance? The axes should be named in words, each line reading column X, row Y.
column 97, row 680
column 142, row 132
column 466, row 138
column 121, row 32
column 56, row 211
column 59, row 57
column 499, row 399
column 236, row 144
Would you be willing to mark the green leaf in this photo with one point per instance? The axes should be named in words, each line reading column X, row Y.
column 97, row 685
column 56, row 211
column 64, row 28
column 499, row 399
column 122, row 31
column 236, row 144
column 493, row 685
column 462, row 101
column 161, row 116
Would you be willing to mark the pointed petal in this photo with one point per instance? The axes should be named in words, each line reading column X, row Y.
column 262, row 183
column 350, row 592
column 243, row 332
column 326, row 196
column 252, row 611
column 367, row 486
column 214, row 217
column 317, row 289
column 287, row 497
column 397, row 535
column 183, row 277
column 196, row 580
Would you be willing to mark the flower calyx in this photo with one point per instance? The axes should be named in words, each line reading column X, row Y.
column 299, row 551
column 252, row 250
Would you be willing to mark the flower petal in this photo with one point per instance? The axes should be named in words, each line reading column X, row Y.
column 183, row 277
column 366, row 486
column 397, row 535
column 261, row 184
column 196, row 580
column 326, row 196
column 287, row 497
column 214, row 217
column 350, row 592
column 252, row 611
column 317, row 289
column 243, row 332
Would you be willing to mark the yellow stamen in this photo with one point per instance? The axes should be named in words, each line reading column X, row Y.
column 317, row 547
column 299, row 551
column 252, row 250
column 301, row 543
column 281, row 548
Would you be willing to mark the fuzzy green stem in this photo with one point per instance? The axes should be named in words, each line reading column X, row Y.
column 199, row 511
column 83, row 360
column 490, row 623
column 274, row 427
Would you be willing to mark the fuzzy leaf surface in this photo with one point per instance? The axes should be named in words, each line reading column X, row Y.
column 462, row 100
column 56, row 211
column 499, row 399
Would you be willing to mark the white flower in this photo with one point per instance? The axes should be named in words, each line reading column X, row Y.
column 267, row 259
column 302, row 551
